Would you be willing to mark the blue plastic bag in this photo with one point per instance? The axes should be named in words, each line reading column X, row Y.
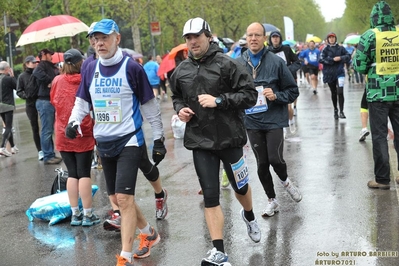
column 53, row 208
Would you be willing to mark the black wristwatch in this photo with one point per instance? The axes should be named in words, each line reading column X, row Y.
column 219, row 102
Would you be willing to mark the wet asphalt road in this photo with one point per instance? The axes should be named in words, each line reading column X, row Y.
column 338, row 221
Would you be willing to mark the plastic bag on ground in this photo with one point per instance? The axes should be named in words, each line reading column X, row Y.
column 53, row 208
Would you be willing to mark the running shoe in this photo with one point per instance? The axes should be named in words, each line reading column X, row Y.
column 225, row 179
column 89, row 220
column 271, row 208
column 14, row 150
column 335, row 114
column 215, row 258
column 252, row 228
column 293, row 191
column 40, row 155
column 342, row 115
column 363, row 134
column 5, row 152
column 161, row 207
column 113, row 224
column 122, row 261
column 77, row 219
column 314, row 91
column 146, row 242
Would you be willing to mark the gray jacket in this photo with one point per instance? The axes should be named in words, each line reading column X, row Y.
column 272, row 73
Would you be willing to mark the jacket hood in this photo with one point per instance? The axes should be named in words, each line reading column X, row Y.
column 271, row 47
column 381, row 15
column 213, row 48
column 73, row 79
column 332, row 34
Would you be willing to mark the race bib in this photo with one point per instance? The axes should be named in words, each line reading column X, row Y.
column 261, row 103
column 107, row 110
column 312, row 57
column 282, row 56
column 387, row 52
column 240, row 171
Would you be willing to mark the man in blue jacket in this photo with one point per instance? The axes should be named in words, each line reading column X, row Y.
column 265, row 122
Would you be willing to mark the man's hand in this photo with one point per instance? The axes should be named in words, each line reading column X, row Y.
column 269, row 94
column 185, row 114
column 158, row 151
column 71, row 131
column 207, row 101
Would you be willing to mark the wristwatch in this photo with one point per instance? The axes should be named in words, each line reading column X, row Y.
column 219, row 102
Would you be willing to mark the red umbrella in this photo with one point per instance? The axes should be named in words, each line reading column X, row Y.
column 175, row 50
column 57, row 57
column 51, row 27
column 166, row 65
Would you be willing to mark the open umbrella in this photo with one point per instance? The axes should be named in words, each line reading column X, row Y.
column 313, row 38
column 269, row 28
column 352, row 39
column 166, row 65
column 175, row 50
column 51, row 27
column 132, row 53
column 57, row 58
column 289, row 42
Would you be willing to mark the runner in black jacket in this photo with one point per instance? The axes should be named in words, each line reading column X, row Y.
column 210, row 92
column 333, row 57
column 291, row 59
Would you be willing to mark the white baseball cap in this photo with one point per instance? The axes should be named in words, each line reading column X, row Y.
column 242, row 42
column 90, row 31
column 195, row 26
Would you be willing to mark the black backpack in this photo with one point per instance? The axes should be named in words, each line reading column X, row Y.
column 32, row 87
column 60, row 181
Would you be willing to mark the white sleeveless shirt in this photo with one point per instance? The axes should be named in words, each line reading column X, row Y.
column 116, row 107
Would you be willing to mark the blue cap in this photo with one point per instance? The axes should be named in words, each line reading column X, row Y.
column 105, row 26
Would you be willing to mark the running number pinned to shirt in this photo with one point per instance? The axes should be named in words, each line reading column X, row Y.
column 240, row 171
column 107, row 110
column 341, row 81
column 261, row 103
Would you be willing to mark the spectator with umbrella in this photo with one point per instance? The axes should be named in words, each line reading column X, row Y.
column 44, row 73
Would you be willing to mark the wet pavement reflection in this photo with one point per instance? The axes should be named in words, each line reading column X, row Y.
column 338, row 221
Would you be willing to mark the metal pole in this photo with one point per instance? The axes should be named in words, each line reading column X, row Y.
column 152, row 36
column 9, row 57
